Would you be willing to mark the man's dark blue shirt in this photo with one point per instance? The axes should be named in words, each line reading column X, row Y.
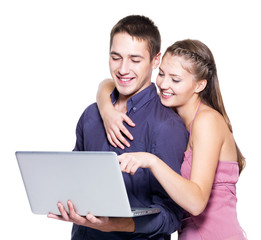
column 160, row 131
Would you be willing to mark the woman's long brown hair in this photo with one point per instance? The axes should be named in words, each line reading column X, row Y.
column 203, row 66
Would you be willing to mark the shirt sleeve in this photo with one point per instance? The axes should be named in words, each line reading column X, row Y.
column 169, row 144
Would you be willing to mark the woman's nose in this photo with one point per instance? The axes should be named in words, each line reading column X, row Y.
column 162, row 82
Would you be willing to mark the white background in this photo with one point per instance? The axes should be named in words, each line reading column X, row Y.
column 53, row 54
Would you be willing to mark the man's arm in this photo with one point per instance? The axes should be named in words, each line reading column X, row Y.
column 104, row 224
column 79, row 135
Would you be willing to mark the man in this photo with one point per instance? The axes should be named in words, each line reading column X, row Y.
column 134, row 53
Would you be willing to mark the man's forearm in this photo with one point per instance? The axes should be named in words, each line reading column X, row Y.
column 119, row 225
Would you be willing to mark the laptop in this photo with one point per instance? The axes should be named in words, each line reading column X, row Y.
column 93, row 181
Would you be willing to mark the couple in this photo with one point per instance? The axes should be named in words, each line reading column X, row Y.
column 153, row 159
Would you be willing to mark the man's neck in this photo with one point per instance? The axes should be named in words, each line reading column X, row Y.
column 121, row 105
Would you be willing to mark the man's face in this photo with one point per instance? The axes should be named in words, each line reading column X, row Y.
column 130, row 64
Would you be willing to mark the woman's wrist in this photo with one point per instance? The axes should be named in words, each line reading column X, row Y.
column 105, row 109
column 153, row 162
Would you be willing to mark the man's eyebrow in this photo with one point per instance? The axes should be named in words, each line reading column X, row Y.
column 114, row 53
column 136, row 56
column 131, row 56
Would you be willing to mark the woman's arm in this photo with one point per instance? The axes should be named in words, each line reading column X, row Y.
column 112, row 119
column 193, row 194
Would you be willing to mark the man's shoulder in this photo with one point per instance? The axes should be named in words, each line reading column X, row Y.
column 91, row 107
column 91, row 111
column 165, row 114
column 164, row 120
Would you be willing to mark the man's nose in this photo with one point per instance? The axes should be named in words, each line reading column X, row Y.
column 124, row 67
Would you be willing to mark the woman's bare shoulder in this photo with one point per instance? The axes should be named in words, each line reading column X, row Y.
column 209, row 119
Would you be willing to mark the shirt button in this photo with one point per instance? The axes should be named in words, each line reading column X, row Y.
column 134, row 109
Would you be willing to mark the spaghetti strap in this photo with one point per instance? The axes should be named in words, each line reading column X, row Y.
column 192, row 124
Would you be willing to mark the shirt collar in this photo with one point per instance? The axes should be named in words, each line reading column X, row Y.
column 138, row 100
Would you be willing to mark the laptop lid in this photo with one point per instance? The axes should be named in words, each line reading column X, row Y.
column 91, row 180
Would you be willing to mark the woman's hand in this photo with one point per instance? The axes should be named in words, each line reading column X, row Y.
column 114, row 127
column 130, row 162
column 112, row 119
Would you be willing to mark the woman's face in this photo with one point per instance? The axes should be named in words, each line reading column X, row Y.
column 176, row 85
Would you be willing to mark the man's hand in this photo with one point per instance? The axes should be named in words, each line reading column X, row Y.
column 104, row 224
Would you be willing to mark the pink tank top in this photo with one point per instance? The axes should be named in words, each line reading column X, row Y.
column 219, row 219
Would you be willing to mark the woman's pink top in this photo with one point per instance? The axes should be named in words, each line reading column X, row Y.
column 219, row 219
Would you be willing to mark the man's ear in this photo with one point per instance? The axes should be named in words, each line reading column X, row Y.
column 200, row 86
column 156, row 60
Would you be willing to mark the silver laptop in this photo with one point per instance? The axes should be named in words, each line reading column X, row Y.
column 91, row 180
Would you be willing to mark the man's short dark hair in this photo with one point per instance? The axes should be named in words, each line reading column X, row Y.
column 141, row 28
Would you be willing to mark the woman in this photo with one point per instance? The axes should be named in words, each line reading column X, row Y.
column 188, row 82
